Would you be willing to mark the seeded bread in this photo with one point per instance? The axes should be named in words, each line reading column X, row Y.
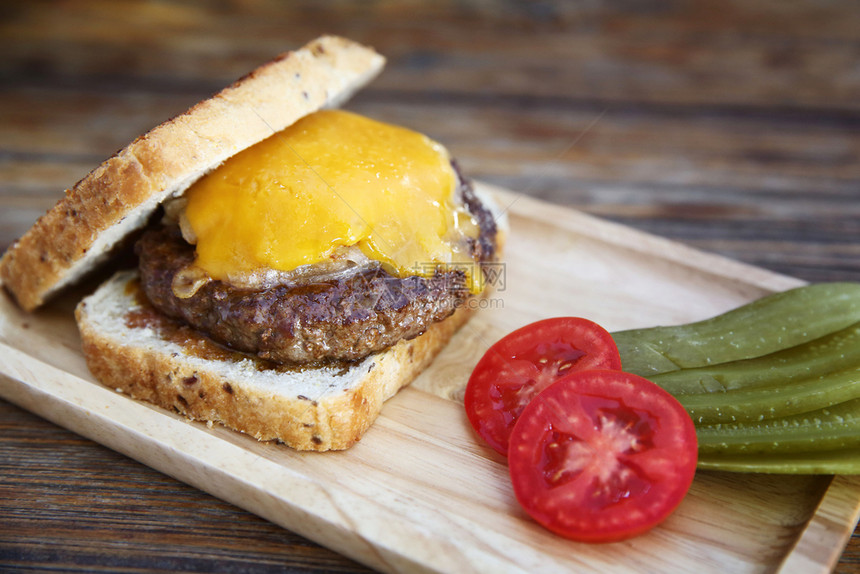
column 121, row 194
column 323, row 408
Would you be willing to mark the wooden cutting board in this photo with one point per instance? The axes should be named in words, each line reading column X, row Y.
column 420, row 492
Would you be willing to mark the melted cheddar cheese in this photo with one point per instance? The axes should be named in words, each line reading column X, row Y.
column 332, row 180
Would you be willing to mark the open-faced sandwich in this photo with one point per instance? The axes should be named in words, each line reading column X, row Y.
column 297, row 264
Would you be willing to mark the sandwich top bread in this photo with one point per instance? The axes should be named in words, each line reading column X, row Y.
column 296, row 267
column 121, row 194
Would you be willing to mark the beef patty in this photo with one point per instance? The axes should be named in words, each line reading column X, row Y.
column 342, row 319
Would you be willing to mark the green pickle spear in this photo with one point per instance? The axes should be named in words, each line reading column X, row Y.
column 772, row 386
column 845, row 461
column 828, row 429
column 769, row 324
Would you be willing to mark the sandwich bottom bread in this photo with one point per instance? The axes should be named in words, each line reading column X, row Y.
column 151, row 357
column 135, row 348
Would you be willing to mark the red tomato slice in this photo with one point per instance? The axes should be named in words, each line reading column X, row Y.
column 601, row 456
column 525, row 362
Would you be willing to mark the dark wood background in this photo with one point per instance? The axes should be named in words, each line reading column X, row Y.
column 729, row 125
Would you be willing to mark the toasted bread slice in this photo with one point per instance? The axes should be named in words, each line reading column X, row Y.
column 121, row 194
column 152, row 358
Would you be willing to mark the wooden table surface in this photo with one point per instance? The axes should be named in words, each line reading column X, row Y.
column 731, row 126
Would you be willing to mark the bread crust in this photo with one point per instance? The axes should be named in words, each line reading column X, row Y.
column 120, row 195
column 169, row 376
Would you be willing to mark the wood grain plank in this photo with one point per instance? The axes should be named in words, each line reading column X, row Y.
column 106, row 511
column 760, row 54
column 812, row 550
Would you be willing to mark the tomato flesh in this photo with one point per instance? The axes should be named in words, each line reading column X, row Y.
column 601, row 456
column 521, row 365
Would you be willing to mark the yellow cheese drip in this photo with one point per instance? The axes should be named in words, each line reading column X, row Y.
column 330, row 180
